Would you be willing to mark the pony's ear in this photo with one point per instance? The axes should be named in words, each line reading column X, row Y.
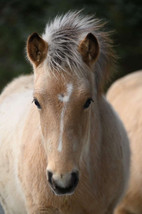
column 89, row 49
column 36, row 49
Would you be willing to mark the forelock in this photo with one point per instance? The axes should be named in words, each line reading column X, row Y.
column 63, row 36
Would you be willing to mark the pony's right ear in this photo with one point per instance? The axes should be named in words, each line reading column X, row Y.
column 36, row 49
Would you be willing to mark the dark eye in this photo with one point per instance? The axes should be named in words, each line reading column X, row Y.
column 88, row 102
column 36, row 103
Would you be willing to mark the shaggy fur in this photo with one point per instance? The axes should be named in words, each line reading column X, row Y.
column 63, row 36
column 94, row 141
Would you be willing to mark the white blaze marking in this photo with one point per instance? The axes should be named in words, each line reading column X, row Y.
column 65, row 99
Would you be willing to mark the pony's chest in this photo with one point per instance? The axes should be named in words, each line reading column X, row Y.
column 74, row 204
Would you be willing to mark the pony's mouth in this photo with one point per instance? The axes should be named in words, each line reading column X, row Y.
column 58, row 190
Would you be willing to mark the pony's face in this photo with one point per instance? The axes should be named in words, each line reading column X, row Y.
column 64, row 103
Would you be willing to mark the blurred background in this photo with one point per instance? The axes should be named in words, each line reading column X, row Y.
column 19, row 18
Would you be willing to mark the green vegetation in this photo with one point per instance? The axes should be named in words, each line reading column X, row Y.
column 21, row 18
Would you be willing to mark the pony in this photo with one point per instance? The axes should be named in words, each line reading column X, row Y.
column 67, row 151
column 126, row 97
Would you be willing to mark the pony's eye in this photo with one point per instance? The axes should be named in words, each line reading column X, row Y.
column 37, row 103
column 88, row 102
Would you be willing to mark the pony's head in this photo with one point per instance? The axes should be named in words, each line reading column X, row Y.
column 65, row 90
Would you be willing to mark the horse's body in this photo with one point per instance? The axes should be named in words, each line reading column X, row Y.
column 126, row 97
column 70, row 143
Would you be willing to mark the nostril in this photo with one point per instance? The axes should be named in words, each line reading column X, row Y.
column 75, row 178
column 50, row 174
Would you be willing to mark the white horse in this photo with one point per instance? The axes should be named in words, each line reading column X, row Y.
column 126, row 97
column 68, row 153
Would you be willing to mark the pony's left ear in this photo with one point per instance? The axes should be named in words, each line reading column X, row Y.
column 89, row 49
column 36, row 49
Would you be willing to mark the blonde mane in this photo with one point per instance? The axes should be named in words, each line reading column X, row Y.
column 63, row 36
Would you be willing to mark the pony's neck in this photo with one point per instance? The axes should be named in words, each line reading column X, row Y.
column 92, row 139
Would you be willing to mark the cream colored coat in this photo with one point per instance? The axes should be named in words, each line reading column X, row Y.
column 21, row 195
column 126, row 97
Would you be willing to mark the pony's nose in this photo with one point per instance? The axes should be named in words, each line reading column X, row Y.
column 63, row 183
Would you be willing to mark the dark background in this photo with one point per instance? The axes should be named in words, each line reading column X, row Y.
column 19, row 18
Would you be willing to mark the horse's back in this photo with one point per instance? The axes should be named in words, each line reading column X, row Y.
column 126, row 97
column 14, row 102
column 128, row 89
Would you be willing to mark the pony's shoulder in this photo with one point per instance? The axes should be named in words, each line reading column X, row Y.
column 20, row 84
